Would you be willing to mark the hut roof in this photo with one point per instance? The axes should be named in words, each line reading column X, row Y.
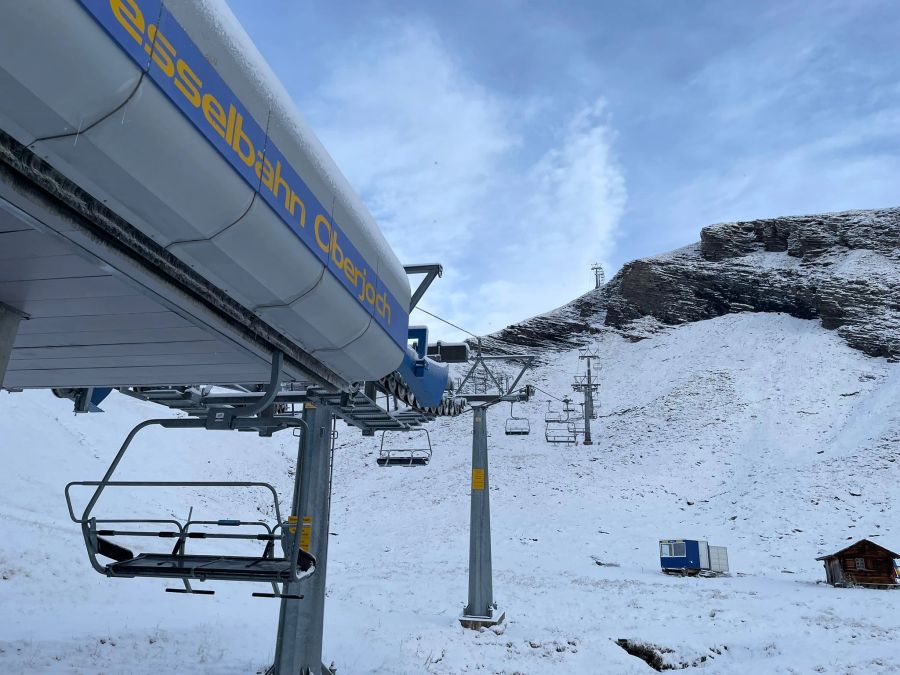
column 861, row 541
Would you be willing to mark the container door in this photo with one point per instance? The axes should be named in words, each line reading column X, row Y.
column 718, row 559
column 704, row 554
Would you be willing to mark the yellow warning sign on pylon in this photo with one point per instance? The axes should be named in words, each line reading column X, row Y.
column 478, row 479
column 306, row 533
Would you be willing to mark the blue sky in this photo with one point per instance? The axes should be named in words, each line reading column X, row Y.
column 518, row 142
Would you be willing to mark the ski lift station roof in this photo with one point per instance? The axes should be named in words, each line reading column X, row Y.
column 167, row 217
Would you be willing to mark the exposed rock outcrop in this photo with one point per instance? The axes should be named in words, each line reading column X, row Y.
column 840, row 268
column 564, row 328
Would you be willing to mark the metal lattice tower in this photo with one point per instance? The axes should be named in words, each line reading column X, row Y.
column 599, row 275
column 587, row 385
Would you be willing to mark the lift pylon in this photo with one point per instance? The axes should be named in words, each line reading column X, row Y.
column 298, row 648
column 481, row 609
column 587, row 385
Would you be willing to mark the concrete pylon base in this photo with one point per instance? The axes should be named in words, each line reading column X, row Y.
column 326, row 670
column 476, row 622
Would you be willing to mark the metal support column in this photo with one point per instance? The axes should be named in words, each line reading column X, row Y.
column 9, row 326
column 586, row 385
column 481, row 609
column 588, row 406
column 298, row 650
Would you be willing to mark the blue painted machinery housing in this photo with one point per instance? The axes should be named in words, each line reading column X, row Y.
column 426, row 379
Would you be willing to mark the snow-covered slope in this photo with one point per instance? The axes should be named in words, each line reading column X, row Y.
column 760, row 432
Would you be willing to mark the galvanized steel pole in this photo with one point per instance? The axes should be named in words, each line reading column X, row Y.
column 481, row 609
column 588, row 406
column 298, row 650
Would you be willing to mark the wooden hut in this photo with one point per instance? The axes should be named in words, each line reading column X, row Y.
column 864, row 563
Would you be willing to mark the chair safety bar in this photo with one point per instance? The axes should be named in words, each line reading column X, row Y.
column 177, row 564
column 411, row 456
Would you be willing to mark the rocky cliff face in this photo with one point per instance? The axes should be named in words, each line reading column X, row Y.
column 564, row 328
column 842, row 269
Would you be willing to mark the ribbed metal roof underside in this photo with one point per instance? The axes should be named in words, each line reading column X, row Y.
column 97, row 316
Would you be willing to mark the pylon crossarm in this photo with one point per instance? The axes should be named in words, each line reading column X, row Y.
column 525, row 366
column 468, row 375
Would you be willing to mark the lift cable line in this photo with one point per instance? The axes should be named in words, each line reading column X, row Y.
column 547, row 393
column 449, row 323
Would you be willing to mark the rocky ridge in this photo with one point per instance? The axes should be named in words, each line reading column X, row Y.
column 842, row 269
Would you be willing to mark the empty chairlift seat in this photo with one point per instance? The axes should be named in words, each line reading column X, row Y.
column 172, row 560
column 415, row 452
column 209, row 567
column 561, row 432
column 516, row 426
column 554, row 416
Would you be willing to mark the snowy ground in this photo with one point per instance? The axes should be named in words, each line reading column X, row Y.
column 751, row 431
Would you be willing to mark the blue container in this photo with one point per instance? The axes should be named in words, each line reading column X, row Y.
column 683, row 554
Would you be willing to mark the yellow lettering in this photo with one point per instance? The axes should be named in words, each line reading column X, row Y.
column 279, row 181
column 295, row 200
column 382, row 306
column 350, row 271
column 160, row 47
column 131, row 18
column 214, row 113
column 336, row 250
column 229, row 128
column 257, row 168
column 188, row 84
column 324, row 245
column 362, row 294
column 268, row 173
column 241, row 141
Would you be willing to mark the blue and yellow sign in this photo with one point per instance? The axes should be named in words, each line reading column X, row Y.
column 154, row 39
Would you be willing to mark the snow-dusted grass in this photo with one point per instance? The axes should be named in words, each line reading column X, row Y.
column 750, row 431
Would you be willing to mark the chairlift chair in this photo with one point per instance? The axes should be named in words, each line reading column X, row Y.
column 561, row 432
column 177, row 563
column 410, row 455
column 516, row 426
column 553, row 415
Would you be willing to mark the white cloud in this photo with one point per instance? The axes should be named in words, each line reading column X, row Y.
column 418, row 140
column 577, row 197
column 439, row 161
column 840, row 171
